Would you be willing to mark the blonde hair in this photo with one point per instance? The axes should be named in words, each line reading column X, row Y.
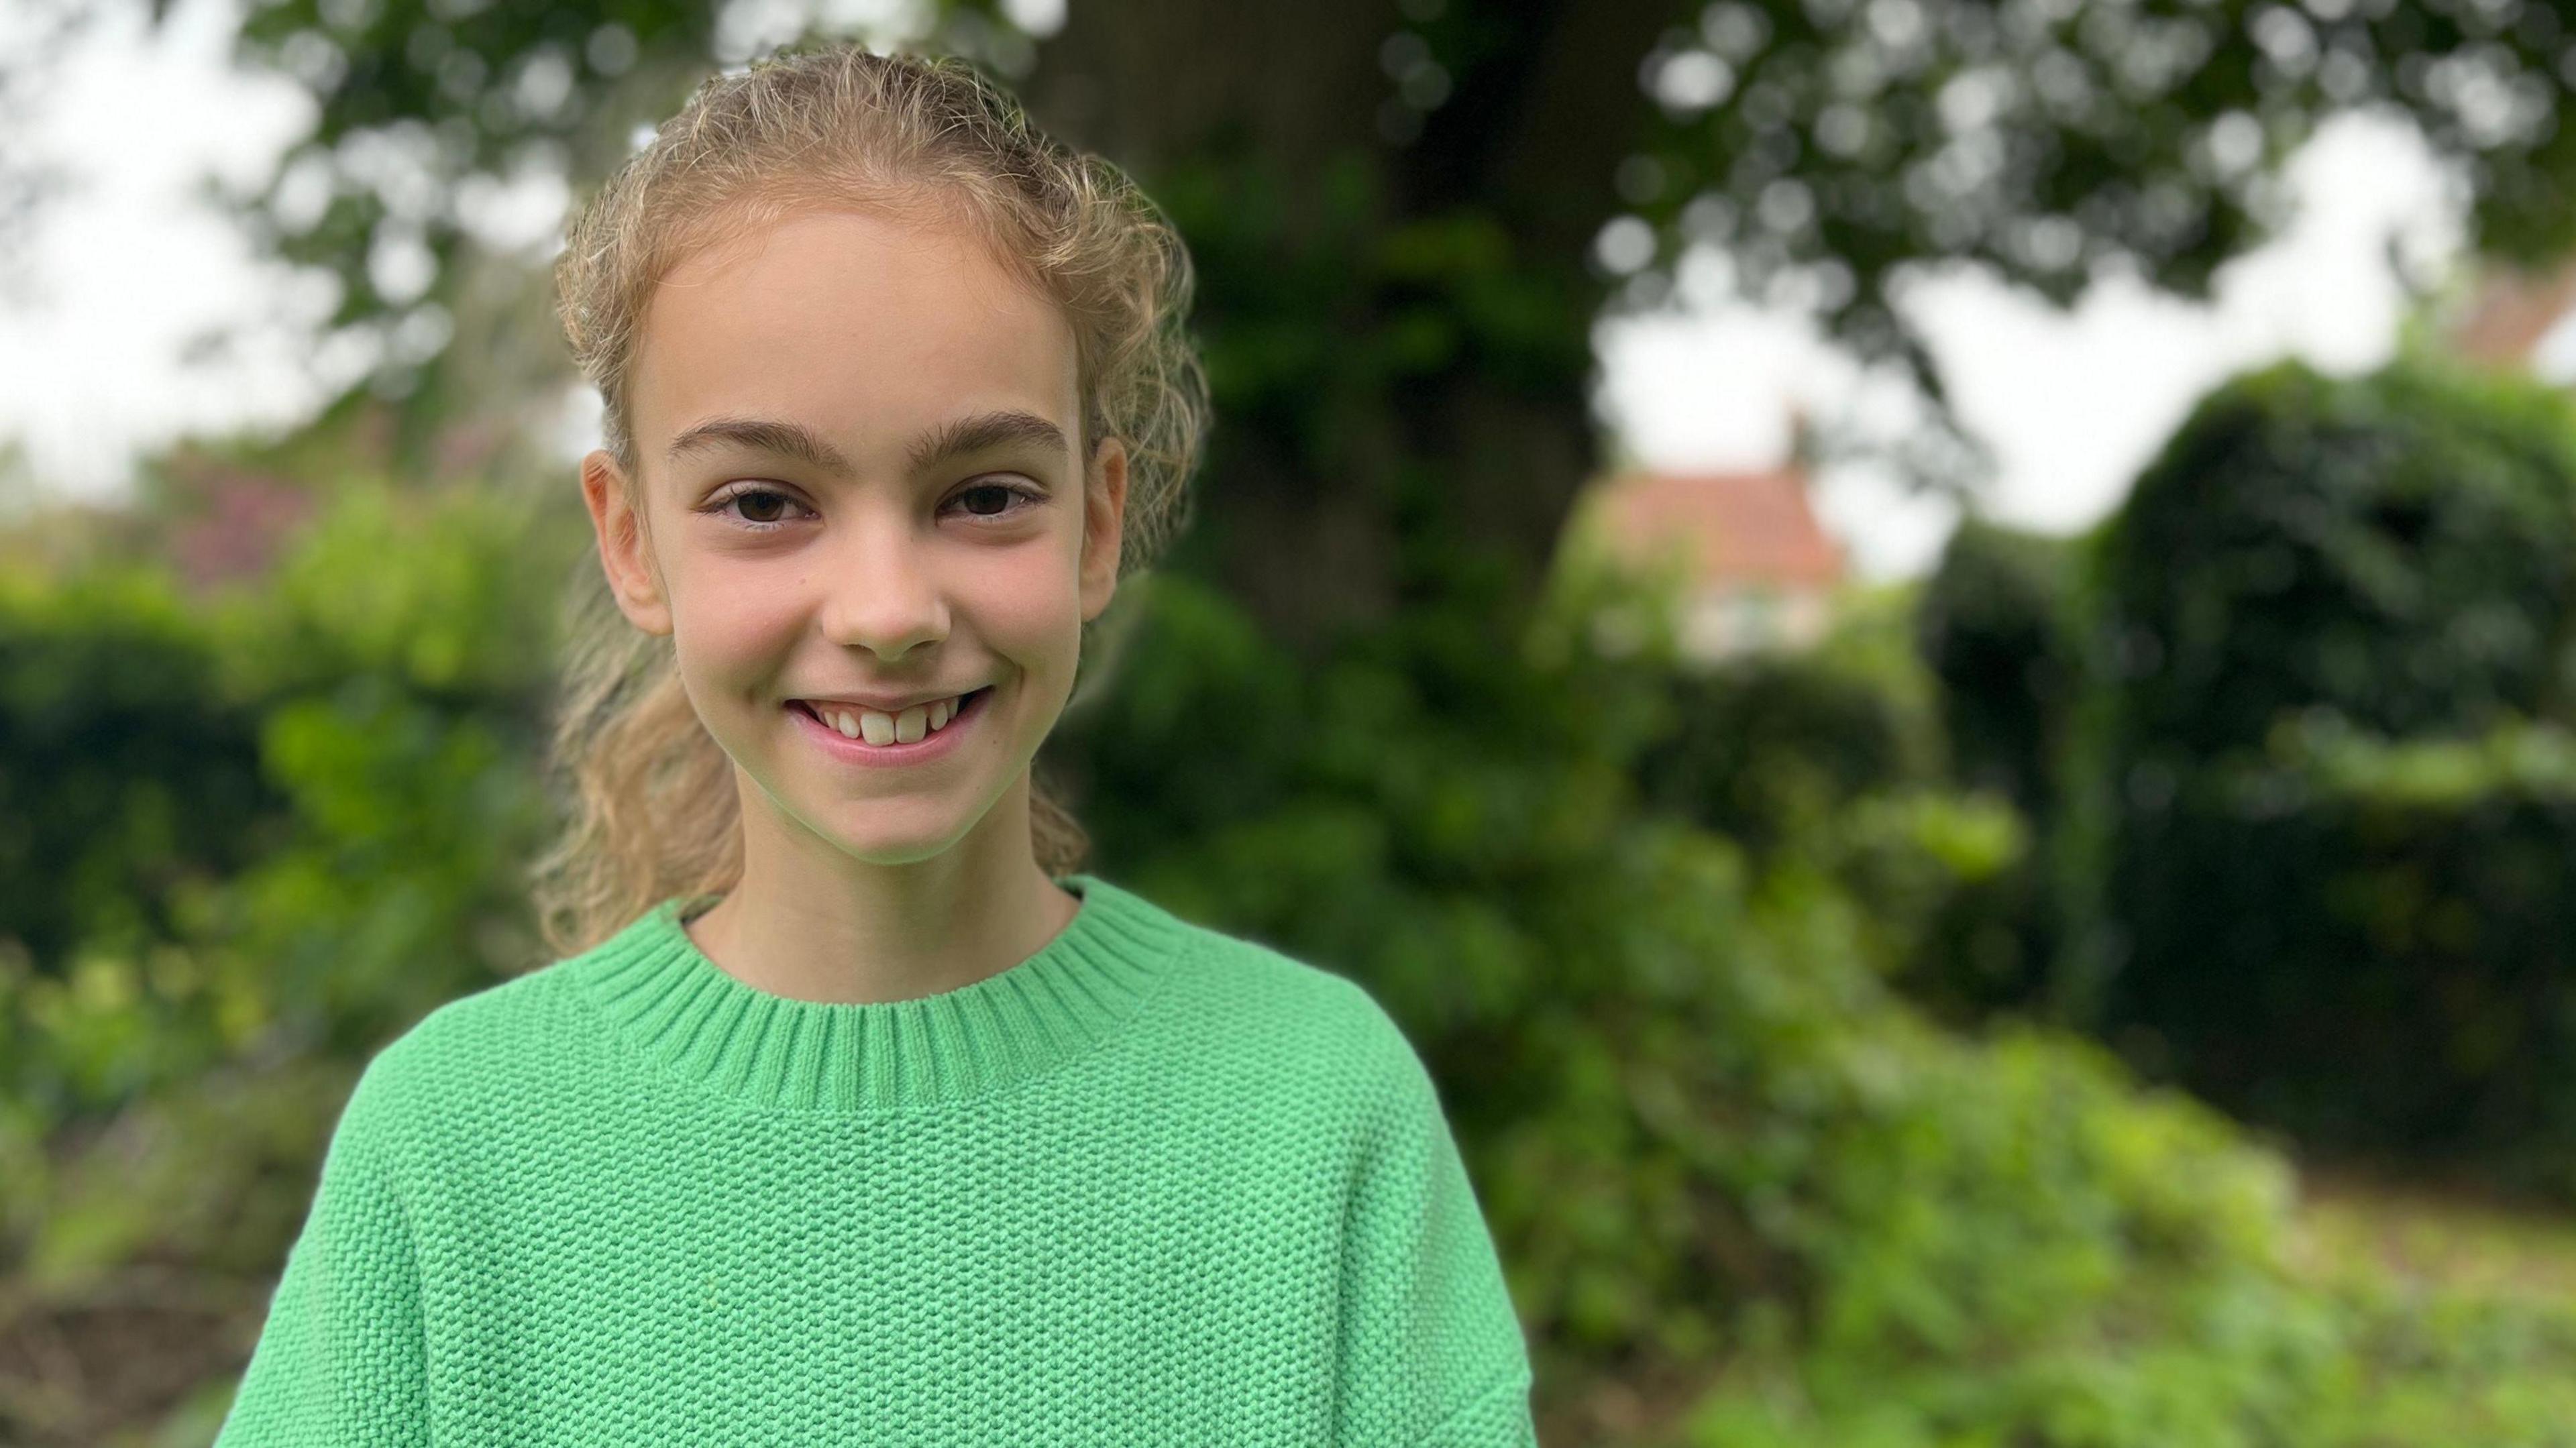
column 654, row 811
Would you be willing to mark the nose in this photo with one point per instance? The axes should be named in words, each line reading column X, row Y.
column 882, row 590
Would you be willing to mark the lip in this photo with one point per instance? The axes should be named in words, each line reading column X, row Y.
column 928, row 747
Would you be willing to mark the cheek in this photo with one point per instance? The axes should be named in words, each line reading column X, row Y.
column 731, row 623
column 1030, row 605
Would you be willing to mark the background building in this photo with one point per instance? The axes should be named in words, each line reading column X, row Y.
column 1757, row 568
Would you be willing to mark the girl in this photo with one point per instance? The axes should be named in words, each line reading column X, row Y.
column 849, row 1112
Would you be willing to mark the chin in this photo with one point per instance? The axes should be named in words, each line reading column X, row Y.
column 879, row 841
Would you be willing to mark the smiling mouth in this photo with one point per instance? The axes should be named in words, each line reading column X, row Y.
column 965, row 703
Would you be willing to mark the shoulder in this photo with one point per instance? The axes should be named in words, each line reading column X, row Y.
column 479, row 1024
column 1308, row 1044
column 1303, row 1022
column 471, row 1048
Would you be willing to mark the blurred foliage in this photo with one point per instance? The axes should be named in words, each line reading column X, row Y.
column 1993, row 626
column 1832, row 760
column 2400, row 550
column 2324, row 816
column 111, row 694
column 327, row 779
column 1769, row 745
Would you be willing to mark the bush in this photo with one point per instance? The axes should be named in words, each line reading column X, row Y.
column 129, row 774
column 2398, row 548
column 1993, row 627
column 2422, row 999
column 326, row 785
column 2324, row 596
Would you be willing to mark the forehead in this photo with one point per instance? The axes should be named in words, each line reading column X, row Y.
column 864, row 325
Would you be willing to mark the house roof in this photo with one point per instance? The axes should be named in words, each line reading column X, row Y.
column 1735, row 527
column 2510, row 311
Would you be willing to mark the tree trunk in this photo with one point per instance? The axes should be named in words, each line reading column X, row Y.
column 1398, row 332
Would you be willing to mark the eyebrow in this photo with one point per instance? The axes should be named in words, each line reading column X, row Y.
column 975, row 433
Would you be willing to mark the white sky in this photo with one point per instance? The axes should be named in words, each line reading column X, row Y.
column 2074, row 402
column 127, row 268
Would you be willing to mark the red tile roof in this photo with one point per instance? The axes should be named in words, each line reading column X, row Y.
column 1740, row 527
column 2510, row 311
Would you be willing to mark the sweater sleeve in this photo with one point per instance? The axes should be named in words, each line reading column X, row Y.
column 1432, row 1353
column 340, row 1359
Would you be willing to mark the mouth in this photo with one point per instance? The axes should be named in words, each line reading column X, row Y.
column 828, row 718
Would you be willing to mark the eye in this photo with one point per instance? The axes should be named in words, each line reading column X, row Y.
column 762, row 499
column 1009, row 494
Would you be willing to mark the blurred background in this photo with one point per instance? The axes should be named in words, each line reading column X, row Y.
column 1947, row 703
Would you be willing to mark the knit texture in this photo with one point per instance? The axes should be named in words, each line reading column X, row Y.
column 1152, row 1185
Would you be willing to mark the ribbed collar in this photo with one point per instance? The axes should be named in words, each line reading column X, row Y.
column 759, row 1048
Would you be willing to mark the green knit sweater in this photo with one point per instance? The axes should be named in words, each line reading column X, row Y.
column 1152, row 1185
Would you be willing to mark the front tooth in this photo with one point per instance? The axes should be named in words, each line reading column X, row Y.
column 907, row 727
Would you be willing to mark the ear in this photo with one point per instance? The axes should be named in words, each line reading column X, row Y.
column 1104, row 518
column 623, row 551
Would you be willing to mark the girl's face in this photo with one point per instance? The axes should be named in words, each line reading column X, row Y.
column 860, row 479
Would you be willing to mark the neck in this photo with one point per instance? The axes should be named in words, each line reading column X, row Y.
column 810, row 923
